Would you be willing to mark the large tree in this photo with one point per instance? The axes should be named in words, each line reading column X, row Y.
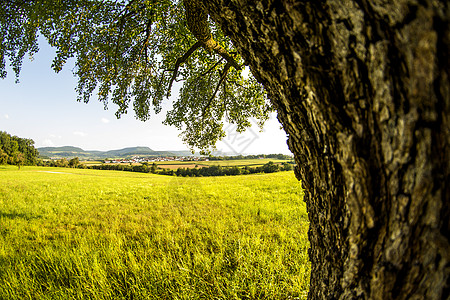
column 11, row 146
column 361, row 87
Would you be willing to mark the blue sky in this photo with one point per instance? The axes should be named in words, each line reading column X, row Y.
column 43, row 107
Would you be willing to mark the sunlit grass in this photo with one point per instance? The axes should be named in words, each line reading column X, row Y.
column 89, row 234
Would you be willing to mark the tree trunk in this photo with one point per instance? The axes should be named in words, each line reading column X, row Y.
column 362, row 90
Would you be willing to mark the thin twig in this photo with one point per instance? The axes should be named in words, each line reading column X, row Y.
column 179, row 61
column 148, row 31
column 216, row 47
column 222, row 78
column 212, row 68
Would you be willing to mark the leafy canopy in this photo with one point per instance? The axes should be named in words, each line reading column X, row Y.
column 129, row 53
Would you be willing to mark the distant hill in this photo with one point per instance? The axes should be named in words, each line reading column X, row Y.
column 70, row 152
column 64, row 148
column 65, row 151
column 132, row 151
column 183, row 153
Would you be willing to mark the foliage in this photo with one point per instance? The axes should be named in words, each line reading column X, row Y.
column 3, row 157
column 12, row 146
column 257, row 156
column 74, row 162
column 89, row 234
column 287, row 166
column 217, row 170
column 241, row 166
column 258, row 162
column 130, row 51
column 141, row 168
column 212, row 170
column 62, row 163
column 18, row 159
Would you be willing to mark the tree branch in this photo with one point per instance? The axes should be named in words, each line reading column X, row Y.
column 211, row 44
column 212, row 68
column 222, row 78
column 179, row 61
column 125, row 12
column 197, row 21
column 148, row 30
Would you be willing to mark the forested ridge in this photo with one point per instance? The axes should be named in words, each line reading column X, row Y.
column 17, row 151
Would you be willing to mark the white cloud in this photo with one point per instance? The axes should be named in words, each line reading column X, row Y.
column 6, row 116
column 105, row 120
column 79, row 133
column 55, row 136
column 48, row 143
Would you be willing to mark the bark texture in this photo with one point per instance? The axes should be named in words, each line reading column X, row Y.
column 362, row 89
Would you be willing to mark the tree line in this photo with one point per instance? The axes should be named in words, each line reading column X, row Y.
column 62, row 163
column 215, row 170
column 269, row 167
column 258, row 156
column 17, row 151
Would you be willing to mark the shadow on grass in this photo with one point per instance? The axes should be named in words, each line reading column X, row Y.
column 15, row 215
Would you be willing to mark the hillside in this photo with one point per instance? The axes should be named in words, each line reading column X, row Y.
column 70, row 152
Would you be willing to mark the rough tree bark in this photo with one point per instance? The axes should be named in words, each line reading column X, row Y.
column 362, row 89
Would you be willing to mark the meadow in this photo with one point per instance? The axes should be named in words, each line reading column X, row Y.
column 92, row 234
column 173, row 165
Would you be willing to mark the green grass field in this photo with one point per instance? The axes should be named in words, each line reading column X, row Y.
column 90, row 234
column 223, row 163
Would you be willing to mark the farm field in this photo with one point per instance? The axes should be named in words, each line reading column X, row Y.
column 223, row 163
column 91, row 162
column 92, row 234
column 243, row 162
column 174, row 166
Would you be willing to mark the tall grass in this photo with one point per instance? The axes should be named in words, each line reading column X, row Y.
column 89, row 234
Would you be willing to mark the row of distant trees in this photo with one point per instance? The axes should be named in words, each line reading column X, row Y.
column 273, row 156
column 17, row 151
column 269, row 167
column 218, row 170
column 143, row 168
column 21, row 151
column 63, row 163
